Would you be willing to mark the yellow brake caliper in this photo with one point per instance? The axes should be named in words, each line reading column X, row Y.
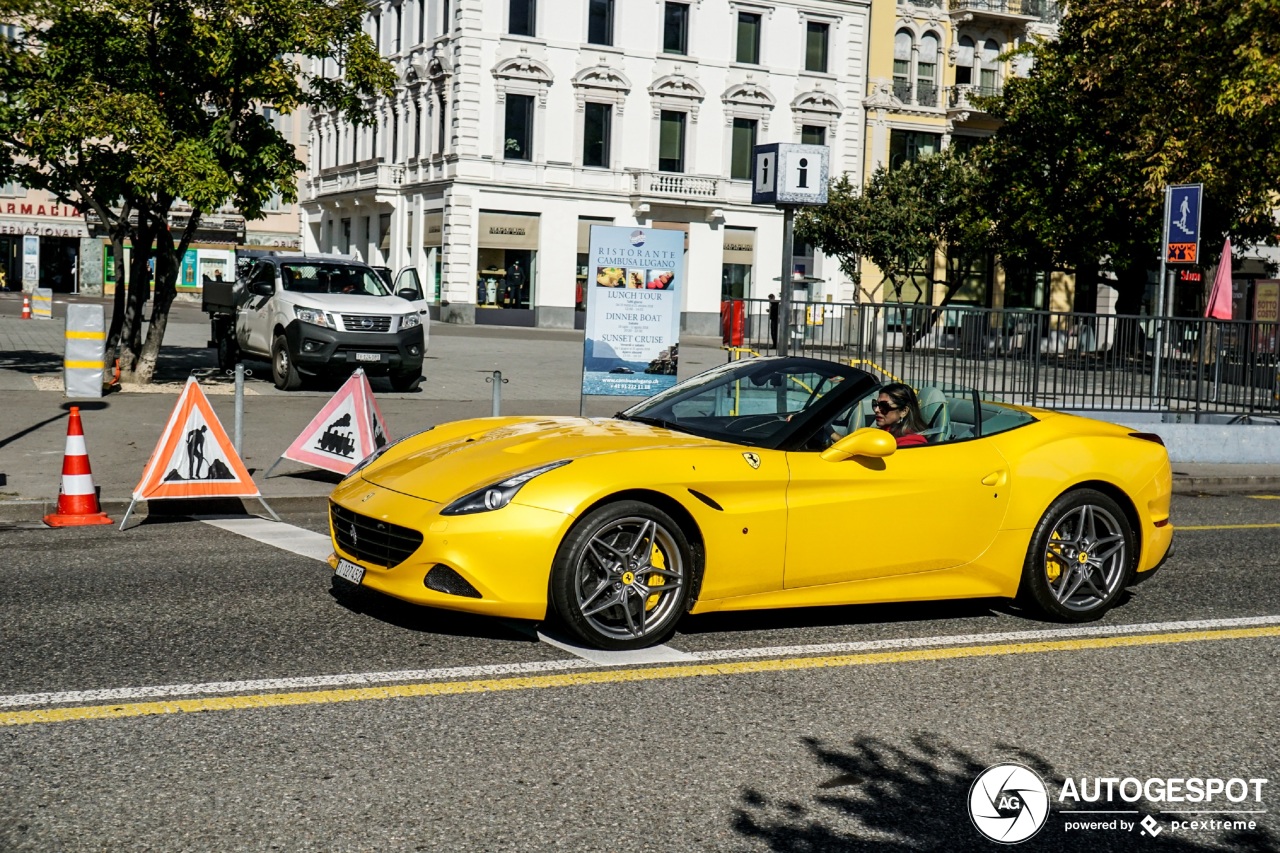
column 1053, row 560
column 655, row 560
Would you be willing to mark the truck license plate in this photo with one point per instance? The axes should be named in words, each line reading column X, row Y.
column 368, row 356
column 350, row 571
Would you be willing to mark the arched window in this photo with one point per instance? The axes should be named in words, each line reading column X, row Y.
column 990, row 80
column 902, row 66
column 965, row 58
column 927, row 71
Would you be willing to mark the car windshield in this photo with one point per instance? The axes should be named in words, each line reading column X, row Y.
column 758, row 402
column 319, row 277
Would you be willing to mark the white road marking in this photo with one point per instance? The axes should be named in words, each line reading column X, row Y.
column 464, row 672
column 632, row 657
column 286, row 537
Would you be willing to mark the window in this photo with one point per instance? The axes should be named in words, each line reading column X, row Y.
column 600, row 21
column 744, row 142
column 671, row 141
column 927, row 71
column 273, row 204
column 442, row 126
column 395, row 135
column 12, row 188
column 377, row 32
column 813, row 134
column 446, row 22
column 422, row 21
column 519, row 126
column 902, row 66
column 520, row 21
column 989, row 83
column 964, row 62
column 675, row 28
column 596, row 127
column 907, row 146
column 749, row 38
column 395, row 36
column 417, row 128
column 815, row 46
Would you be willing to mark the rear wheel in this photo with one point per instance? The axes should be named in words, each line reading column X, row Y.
column 228, row 353
column 283, row 371
column 1081, row 556
column 621, row 577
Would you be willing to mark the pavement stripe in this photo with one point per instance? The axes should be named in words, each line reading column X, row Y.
column 1180, row 528
column 612, row 676
column 286, row 537
column 630, row 657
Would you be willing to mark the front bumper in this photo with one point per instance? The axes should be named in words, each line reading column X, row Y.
column 504, row 555
column 316, row 348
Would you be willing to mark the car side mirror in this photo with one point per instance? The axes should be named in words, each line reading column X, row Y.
column 868, row 441
column 262, row 287
column 408, row 293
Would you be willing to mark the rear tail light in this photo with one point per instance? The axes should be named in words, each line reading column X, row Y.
column 1148, row 436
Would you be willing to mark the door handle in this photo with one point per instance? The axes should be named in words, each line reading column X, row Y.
column 996, row 478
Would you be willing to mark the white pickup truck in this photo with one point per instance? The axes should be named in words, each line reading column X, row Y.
column 320, row 314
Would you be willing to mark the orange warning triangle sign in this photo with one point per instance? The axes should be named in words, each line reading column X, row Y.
column 194, row 457
column 348, row 429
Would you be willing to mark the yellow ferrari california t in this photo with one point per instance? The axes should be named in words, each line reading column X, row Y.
column 759, row 484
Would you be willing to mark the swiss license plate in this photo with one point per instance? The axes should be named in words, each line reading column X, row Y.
column 368, row 356
column 350, row 571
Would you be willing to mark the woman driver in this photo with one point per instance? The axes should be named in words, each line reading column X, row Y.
column 898, row 412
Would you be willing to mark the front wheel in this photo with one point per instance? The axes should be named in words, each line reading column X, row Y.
column 228, row 353
column 1082, row 554
column 283, row 371
column 405, row 380
column 621, row 577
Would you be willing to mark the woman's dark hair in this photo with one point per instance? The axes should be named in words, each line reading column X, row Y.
column 905, row 399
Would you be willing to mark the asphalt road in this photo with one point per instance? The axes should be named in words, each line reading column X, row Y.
column 739, row 750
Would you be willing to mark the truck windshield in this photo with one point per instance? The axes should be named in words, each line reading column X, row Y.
column 332, row 278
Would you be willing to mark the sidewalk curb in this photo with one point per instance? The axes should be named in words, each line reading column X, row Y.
column 32, row 511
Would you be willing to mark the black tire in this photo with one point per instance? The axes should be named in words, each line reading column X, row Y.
column 228, row 353
column 283, row 371
column 405, row 380
column 1082, row 554
column 632, row 609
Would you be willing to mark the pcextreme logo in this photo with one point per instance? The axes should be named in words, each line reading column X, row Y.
column 1008, row 803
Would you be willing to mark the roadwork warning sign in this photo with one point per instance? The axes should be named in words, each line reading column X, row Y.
column 348, row 429
column 194, row 457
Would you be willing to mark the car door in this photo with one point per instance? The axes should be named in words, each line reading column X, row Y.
column 920, row 509
column 253, row 320
column 409, row 287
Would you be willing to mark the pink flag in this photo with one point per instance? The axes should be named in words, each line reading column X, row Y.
column 1219, row 307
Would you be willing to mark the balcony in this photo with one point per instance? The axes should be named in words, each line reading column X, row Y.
column 1017, row 11
column 967, row 99
column 925, row 94
column 677, row 187
column 367, row 175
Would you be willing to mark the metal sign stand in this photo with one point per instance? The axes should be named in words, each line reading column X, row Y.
column 784, row 284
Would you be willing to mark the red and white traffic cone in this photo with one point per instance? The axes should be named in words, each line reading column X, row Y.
column 77, row 499
column 26, row 307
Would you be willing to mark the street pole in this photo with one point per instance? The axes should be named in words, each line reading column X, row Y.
column 1160, row 312
column 784, row 298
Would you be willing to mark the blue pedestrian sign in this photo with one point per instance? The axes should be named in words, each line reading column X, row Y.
column 1182, row 223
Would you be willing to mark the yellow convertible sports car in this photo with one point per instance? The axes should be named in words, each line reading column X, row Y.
column 757, row 484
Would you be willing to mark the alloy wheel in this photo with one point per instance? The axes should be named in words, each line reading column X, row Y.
column 629, row 578
column 1085, row 558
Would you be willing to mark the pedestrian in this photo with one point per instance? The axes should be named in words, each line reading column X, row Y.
column 773, row 320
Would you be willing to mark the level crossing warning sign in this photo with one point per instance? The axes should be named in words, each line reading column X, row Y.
column 348, row 429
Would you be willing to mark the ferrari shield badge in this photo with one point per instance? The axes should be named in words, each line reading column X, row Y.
column 753, row 459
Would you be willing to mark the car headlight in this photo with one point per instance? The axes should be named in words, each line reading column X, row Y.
column 372, row 457
column 499, row 494
column 408, row 321
column 313, row 316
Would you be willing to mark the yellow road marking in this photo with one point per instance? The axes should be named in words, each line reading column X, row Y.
column 616, row 676
column 1182, row 527
column 1264, row 497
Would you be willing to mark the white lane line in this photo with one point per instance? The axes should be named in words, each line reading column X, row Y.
column 994, row 637
column 286, row 537
column 318, row 547
column 364, row 678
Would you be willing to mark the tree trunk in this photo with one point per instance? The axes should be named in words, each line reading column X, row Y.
column 117, row 306
column 139, row 291
column 166, row 289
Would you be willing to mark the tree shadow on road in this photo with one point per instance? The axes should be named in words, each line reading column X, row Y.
column 878, row 796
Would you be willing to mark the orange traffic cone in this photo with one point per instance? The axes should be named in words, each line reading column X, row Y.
column 77, row 499
column 26, row 307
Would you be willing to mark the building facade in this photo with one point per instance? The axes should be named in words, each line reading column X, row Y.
column 518, row 124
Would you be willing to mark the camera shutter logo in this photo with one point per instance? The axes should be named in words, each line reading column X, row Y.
column 1008, row 803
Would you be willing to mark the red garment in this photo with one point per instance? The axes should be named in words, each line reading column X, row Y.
column 911, row 439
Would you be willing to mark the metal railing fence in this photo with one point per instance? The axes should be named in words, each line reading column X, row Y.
column 1058, row 360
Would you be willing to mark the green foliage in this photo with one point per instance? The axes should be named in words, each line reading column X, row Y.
column 904, row 221
column 1130, row 97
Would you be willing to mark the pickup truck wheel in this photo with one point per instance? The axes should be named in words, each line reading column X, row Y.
column 405, row 380
column 286, row 376
column 228, row 353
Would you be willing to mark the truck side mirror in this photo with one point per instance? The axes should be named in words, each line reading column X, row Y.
column 409, row 294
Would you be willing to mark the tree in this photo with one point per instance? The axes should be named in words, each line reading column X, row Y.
column 904, row 221
column 1131, row 97
column 125, row 108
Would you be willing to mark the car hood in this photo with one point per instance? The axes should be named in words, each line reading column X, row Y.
column 455, row 459
column 352, row 303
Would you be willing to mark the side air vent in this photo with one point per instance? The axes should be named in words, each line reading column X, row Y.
column 706, row 499
column 441, row 578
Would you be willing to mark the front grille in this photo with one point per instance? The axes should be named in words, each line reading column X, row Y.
column 371, row 540
column 366, row 322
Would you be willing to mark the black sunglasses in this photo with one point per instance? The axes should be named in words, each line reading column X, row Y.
column 885, row 408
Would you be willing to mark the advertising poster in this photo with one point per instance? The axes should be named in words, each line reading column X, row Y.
column 633, row 314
